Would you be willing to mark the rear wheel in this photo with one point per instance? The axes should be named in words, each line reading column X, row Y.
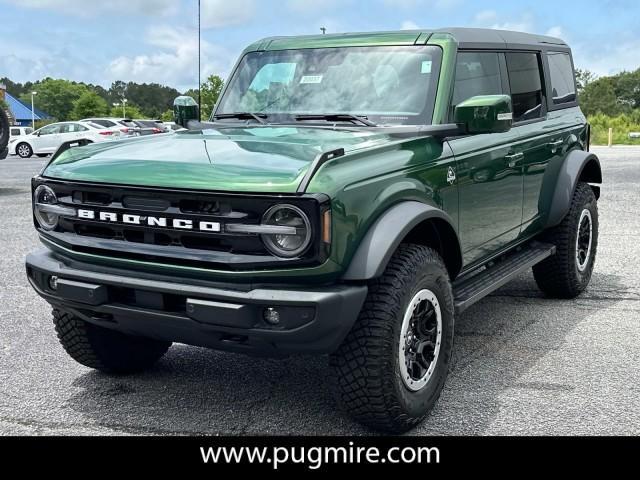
column 24, row 150
column 392, row 366
column 567, row 273
column 104, row 349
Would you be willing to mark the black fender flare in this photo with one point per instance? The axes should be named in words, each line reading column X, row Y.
column 577, row 165
column 388, row 231
column 4, row 130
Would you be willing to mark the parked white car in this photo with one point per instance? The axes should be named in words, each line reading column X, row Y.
column 124, row 125
column 47, row 139
column 19, row 131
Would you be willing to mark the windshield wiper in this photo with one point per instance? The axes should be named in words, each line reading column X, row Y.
column 337, row 117
column 258, row 117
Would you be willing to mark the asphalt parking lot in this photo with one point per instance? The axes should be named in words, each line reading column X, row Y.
column 523, row 364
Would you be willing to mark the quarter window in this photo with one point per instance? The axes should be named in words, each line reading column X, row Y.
column 15, row 132
column 563, row 86
column 477, row 73
column 526, row 85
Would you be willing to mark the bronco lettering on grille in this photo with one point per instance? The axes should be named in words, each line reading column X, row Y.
column 150, row 221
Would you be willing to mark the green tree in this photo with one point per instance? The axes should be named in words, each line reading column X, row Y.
column 627, row 88
column 167, row 116
column 55, row 96
column 90, row 104
column 584, row 78
column 131, row 111
column 211, row 90
column 599, row 96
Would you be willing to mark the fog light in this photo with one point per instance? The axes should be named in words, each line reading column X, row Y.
column 271, row 316
column 53, row 282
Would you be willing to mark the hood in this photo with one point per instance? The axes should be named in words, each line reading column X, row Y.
column 266, row 159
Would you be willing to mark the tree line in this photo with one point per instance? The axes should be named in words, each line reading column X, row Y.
column 69, row 100
column 610, row 102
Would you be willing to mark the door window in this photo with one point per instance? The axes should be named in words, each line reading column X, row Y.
column 49, row 130
column 563, row 86
column 15, row 132
column 526, row 85
column 477, row 73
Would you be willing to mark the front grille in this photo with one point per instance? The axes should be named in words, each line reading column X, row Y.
column 169, row 243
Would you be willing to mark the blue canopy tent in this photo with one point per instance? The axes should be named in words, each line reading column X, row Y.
column 21, row 112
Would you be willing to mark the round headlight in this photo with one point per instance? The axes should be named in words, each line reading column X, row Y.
column 42, row 197
column 290, row 244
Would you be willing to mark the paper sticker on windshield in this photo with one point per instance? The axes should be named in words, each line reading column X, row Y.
column 426, row 66
column 311, row 79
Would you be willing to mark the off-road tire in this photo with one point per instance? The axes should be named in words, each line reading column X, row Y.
column 558, row 276
column 28, row 153
column 104, row 349
column 4, row 130
column 366, row 367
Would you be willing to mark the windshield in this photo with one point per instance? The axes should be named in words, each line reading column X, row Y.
column 387, row 85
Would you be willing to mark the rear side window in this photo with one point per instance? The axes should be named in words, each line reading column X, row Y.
column 563, row 86
column 526, row 85
column 15, row 132
column 477, row 73
column 104, row 123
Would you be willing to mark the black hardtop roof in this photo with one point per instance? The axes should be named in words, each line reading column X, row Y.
column 469, row 37
column 480, row 38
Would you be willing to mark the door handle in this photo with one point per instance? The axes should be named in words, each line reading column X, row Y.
column 555, row 145
column 514, row 159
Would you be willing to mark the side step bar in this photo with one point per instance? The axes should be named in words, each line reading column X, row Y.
column 470, row 288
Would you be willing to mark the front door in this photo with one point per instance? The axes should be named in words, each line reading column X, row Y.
column 488, row 170
column 47, row 139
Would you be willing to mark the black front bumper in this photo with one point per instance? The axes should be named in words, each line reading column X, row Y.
column 312, row 320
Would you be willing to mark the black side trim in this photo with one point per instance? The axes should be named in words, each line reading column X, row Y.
column 315, row 166
column 386, row 234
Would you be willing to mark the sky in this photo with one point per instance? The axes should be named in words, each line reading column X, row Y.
column 100, row 41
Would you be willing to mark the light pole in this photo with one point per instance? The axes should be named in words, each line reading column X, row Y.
column 199, row 66
column 124, row 108
column 33, row 115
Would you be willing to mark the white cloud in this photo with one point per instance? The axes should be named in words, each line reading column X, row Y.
column 315, row 6
column 22, row 62
column 84, row 8
column 490, row 19
column 409, row 25
column 225, row 13
column 407, row 4
column 556, row 31
column 175, row 63
column 607, row 59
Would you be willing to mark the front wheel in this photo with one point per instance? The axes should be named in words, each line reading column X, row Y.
column 392, row 366
column 567, row 273
column 24, row 150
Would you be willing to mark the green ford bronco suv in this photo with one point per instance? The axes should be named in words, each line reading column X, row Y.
column 349, row 196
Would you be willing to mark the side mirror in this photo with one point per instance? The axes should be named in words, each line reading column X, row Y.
column 184, row 109
column 485, row 114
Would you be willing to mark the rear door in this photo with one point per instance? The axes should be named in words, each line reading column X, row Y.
column 489, row 181
column 535, row 142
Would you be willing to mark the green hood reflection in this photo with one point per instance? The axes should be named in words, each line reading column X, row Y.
column 270, row 159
